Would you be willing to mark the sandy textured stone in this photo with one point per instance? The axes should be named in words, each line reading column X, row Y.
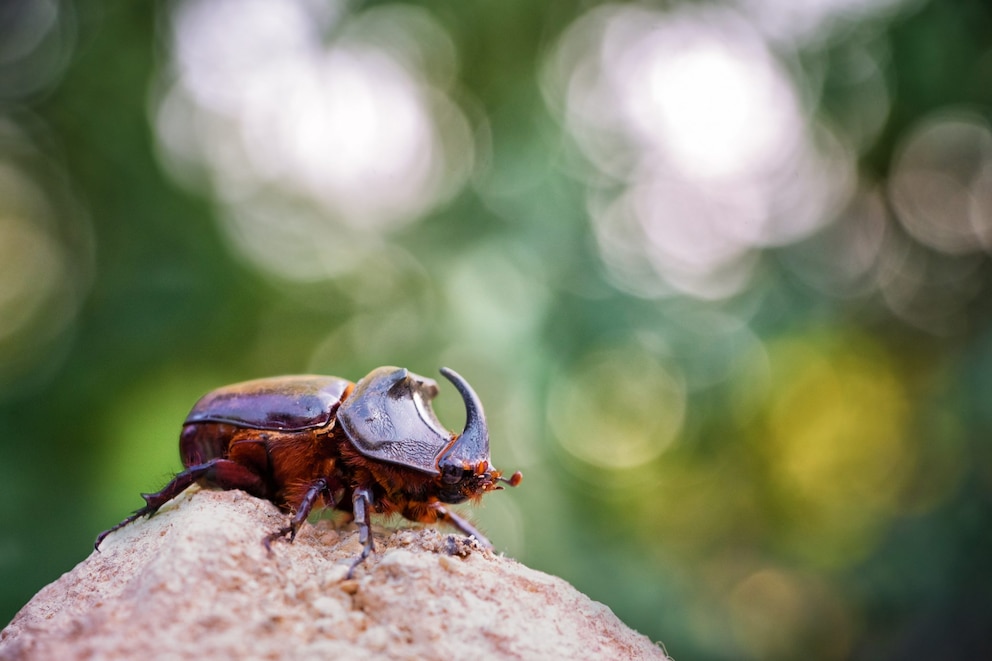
column 195, row 582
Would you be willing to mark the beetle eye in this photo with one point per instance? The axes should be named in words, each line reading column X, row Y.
column 451, row 474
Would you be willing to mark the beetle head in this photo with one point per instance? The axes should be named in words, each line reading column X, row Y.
column 464, row 467
column 388, row 417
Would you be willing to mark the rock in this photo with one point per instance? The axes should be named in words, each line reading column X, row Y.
column 194, row 581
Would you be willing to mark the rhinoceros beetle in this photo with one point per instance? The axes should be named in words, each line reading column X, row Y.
column 374, row 446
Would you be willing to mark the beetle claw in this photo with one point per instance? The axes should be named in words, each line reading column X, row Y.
column 318, row 487
column 463, row 525
column 279, row 534
column 133, row 517
column 354, row 563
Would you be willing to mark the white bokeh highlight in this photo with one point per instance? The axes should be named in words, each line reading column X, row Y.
column 312, row 126
column 704, row 149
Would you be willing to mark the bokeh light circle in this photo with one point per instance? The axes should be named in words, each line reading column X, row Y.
column 617, row 408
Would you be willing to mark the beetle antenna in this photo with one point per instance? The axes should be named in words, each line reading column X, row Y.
column 513, row 480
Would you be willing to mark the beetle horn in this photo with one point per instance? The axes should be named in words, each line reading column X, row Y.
column 473, row 443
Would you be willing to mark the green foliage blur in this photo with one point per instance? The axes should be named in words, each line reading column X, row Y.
column 719, row 272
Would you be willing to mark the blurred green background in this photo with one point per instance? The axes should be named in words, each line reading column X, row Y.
column 719, row 272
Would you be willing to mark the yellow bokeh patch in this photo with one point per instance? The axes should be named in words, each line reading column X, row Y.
column 838, row 445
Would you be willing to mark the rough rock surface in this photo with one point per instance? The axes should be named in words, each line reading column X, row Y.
column 194, row 581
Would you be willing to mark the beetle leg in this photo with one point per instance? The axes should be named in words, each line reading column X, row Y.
column 223, row 473
column 462, row 524
column 137, row 515
column 361, row 507
column 302, row 512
